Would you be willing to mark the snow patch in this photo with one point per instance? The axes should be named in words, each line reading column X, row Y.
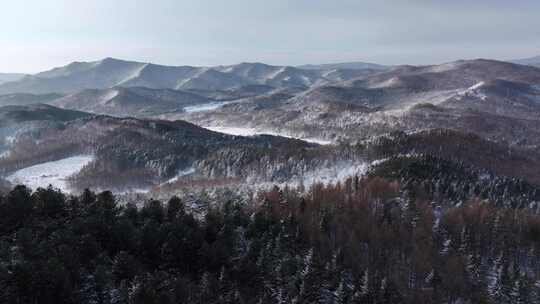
column 477, row 86
column 392, row 82
column 110, row 94
column 5, row 154
column 134, row 74
column 129, row 190
column 181, row 174
column 306, row 80
column 53, row 173
column 205, row 107
column 444, row 67
column 473, row 92
column 234, row 131
column 335, row 173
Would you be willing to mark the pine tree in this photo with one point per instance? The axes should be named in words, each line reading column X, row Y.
column 494, row 280
column 175, row 208
column 364, row 284
column 519, row 293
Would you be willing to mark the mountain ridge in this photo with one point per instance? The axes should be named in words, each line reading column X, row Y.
column 129, row 101
column 498, row 100
column 8, row 77
column 351, row 65
column 533, row 61
column 110, row 72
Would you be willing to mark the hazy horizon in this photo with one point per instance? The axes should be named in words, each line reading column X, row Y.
column 38, row 36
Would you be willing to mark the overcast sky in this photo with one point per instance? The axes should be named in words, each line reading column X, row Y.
column 39, row 34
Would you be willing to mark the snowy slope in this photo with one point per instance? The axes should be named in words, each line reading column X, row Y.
column 7, row 77
column 252, row 132
column 52, row 173
column 110, row 72
column 205, row 107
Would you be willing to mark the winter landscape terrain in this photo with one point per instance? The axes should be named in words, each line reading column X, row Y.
column 270, row 152
column 328, row 183
column 334, row 112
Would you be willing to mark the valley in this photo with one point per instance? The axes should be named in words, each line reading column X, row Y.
column 145, row 123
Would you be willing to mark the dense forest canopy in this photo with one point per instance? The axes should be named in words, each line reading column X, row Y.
column 366, row 240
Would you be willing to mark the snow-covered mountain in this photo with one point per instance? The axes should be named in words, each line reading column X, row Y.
column 109, row 72
column 7, row 77
column 27, row 99
column 534, row 61
column 130, row 101
column 357, row 65
column 497, row 100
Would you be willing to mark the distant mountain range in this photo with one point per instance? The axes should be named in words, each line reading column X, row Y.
column 131, row 101
column 320, row 101
column 8, row 77
column 27, row 99
column 497, row 100
column 534, row 61
column 109, row 72
column 143, row 122
column 343, row 66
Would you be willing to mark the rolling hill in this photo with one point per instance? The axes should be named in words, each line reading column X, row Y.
column 534, row 61
column 131, row 101
column 8, row 77
column 497, row 100
column 127, row 153
column 110, row 72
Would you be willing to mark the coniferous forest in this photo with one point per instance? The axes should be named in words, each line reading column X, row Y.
column 366, row 240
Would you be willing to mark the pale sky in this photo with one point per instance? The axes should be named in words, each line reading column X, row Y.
column 36, row 35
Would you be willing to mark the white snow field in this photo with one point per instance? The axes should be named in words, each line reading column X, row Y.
column 252, row 132
column 336, row 173
column 205, row 107
column 52, row 173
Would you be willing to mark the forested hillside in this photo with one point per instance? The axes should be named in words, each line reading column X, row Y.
column 366, row 240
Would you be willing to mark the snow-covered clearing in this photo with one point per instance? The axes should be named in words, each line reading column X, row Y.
column 205, row 107
column 252, row 132
column 334, row 174
column 340, row 172
column 473, row 92
column 52, row 173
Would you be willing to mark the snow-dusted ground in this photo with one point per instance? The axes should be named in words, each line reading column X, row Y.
column 180, row 174
column 5, row 154
column 252, row 132
column 340, row 172
column 205, row 107
column 473, row 92
column 52, row 173
column 336, row 173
